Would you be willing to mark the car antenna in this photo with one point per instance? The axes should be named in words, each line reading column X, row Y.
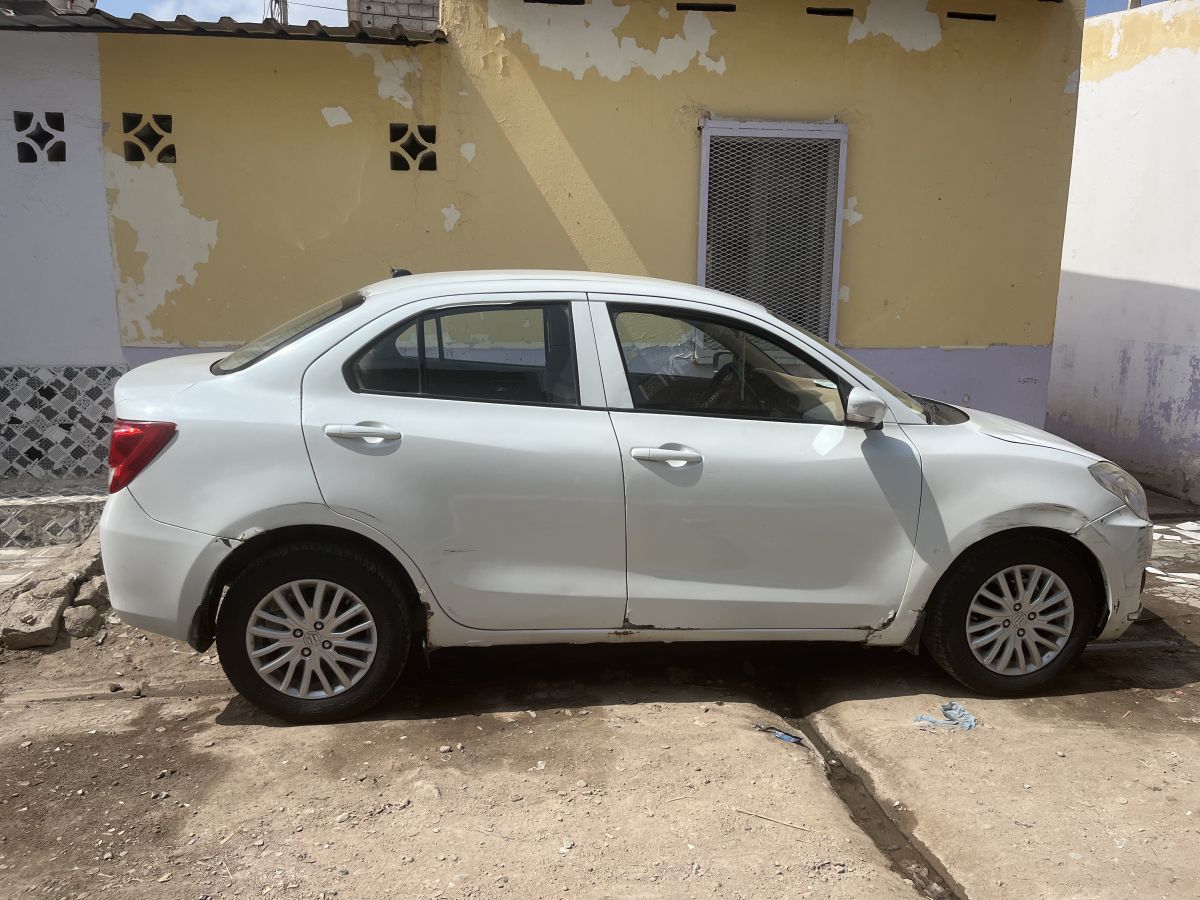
column 399, row 273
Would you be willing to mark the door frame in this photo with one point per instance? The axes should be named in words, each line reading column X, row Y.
column 839, row 131
column 612, row 361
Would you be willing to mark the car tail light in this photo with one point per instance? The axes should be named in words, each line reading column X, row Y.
column 134, row 445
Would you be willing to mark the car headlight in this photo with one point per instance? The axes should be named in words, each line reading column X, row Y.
column 1122, row 485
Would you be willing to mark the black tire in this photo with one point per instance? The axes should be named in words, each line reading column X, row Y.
column 377, row 588
column 945, row 634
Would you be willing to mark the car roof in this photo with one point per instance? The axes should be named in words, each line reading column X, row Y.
column 399, row 290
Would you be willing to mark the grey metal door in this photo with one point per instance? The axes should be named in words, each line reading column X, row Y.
column 771, row 216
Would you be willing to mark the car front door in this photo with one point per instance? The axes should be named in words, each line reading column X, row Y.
column 472, row 432
column 749, row 503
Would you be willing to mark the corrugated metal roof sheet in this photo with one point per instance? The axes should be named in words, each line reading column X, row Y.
column 25, row 16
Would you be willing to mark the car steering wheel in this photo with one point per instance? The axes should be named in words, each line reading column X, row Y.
column 724, row 374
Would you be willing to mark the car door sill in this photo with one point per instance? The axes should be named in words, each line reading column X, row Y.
column 466, row 637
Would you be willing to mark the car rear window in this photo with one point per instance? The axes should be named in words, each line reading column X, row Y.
column 264, row 345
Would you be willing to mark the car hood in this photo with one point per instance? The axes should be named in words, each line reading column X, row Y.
column 1019, row 433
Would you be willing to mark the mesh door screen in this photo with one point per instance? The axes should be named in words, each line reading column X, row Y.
column 772, row 223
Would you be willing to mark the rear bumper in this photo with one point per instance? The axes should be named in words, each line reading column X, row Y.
column 1122, row 543
column 157, row 574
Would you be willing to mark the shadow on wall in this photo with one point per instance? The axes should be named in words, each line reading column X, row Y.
column 1125, row 376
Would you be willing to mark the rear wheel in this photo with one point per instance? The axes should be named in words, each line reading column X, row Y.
column 1012, row 615
column 313, row 632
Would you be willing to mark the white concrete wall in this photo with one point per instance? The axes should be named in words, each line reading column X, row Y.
column 1125, row 377
column 57, row 290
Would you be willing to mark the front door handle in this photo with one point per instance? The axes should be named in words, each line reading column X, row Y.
column 372, row 434
column 673, row 456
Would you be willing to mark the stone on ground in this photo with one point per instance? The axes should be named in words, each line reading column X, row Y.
column 82, row 621
column 93, row 592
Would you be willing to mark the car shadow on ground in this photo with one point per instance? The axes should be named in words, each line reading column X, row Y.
column 790, row 679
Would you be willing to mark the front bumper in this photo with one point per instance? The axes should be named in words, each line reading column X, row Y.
column 157, row 573
column 1122, row 543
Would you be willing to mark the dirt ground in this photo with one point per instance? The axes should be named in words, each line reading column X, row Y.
column 528, row 774
column 132, row 769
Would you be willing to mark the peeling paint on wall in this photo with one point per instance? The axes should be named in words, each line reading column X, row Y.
column 1126, row 373
column 169, row 242
column 577, row 38
column 450, row 217
column 850, row 214
column 335, row 116
column 1072, row 85
column 1120, row 41
column 580, row 166
column 468, row 151
column 907, row 22
column 1114, row 45
column 391, row 72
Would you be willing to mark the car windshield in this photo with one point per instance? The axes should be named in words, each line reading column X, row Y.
column 907, row 399
column 261, row 346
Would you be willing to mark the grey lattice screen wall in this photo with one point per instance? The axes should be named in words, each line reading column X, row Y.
column 771, row 200
column 55, row 420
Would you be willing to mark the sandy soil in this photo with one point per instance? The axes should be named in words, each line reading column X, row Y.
column 562, row 778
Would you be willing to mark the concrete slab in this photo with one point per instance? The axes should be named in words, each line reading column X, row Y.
column 1090, row 790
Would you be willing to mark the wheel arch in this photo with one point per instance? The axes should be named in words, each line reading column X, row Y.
column 202, row 631
column 1065, row 540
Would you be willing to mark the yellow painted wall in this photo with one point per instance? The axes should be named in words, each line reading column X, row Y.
column 1120, row 42
column 567, row 138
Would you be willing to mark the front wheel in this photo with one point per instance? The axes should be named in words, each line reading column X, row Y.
column 313, row 632
column 1012, row 615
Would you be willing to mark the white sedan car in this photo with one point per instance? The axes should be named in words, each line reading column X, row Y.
column 487, row 458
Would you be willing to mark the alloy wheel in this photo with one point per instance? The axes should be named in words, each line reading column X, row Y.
column 311, row 639
column 1020, row 620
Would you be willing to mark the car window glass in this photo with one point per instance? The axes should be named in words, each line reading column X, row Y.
column 516, row 354
column 715, row 367
column 268, row 343
column 390, row 364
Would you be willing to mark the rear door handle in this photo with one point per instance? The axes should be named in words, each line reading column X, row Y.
column 674, row 456
column 373, row 434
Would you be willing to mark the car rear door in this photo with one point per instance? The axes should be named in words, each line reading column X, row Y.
column 741, row 517
column 472, row 432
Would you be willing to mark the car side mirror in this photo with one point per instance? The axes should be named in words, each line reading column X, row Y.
column 864, row 409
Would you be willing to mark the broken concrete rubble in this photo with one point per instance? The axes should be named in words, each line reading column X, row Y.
column 93, row 592
column 31, row 613
column 82, row 621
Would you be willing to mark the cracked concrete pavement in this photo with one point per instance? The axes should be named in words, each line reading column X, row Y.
column 1090, row 790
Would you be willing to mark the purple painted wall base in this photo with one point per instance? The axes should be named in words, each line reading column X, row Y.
column 1006, row 380
column 1126, row 380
